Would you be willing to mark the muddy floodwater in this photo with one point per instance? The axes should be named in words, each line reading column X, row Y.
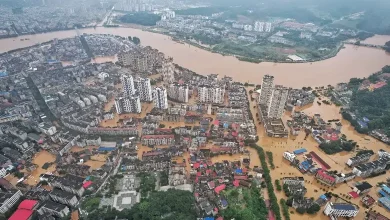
column 352, row 61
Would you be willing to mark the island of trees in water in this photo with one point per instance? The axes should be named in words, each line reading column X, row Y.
column 373, row 105
column 141, row 18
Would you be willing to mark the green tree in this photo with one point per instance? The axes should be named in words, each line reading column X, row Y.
column 313, row 208
column 136, row 40
column 301, row 210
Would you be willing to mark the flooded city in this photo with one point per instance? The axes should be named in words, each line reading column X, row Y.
column 351, row 61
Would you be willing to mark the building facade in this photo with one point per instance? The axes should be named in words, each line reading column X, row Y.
column 128, row 105
column 168, row 70
column 266, row 90
column 207, row 94
column 178, row 92
column 341, row 210
column 160, row 98
column 9, row 199
column 277, row 102
column 127, row 85
column 144, row 89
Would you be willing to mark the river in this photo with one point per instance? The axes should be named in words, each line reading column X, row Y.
column 352, row 61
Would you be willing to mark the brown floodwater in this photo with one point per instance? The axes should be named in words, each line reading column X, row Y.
column 377, row 40
column 352, row 61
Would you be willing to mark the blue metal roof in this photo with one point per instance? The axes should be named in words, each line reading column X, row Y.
column 238, row 170
column 340, row 206
column 386, row 189
column 362, row 124
column 208, row 218
column 224, row 202
column 382, row 193
column 299, row 151
column 385, row 202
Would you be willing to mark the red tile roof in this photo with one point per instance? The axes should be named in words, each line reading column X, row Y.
column 196, row 165
column 28, row 204
column 240, row 177
column 152, row 153
column 236, row 183
column 163, row 136
column 21, row 214
column 325, row 175
column 219, row 188
column 211, row 184
column 87, row 184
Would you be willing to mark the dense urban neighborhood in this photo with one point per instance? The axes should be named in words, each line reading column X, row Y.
column 104, row 127
column 96, row 125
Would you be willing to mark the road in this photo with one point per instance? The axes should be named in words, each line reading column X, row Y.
column 108, row 15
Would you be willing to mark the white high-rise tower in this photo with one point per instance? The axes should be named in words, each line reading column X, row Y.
column 266, row 90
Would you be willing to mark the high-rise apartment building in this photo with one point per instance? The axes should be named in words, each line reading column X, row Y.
column 268, row 27
column 168, row 70
column 128, row 105
column 209, row 94
column 128, row 85
column 143, row 89
column 178, row 92
column 277, row 102
column 266, row 90
column 137, row 62
column 259, row 26
column 160, row 98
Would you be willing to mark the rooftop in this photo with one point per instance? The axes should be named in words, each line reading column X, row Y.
column 53, row 206
column 344, row 206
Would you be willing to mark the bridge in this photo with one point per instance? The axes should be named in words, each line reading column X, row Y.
column 367, row 45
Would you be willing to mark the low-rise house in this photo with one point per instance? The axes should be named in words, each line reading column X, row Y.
column 370, row 168
column 297, row 190
column 367, row 200
column 353, row 161
column 325, row 177
column 64, row 197
column 302, row 202
column 363, row 187
column 289, row 156
column 293, row 180
column 341, row 210
column 54, row 208
column 152, row 140
column 373, row 215
column 69, row 183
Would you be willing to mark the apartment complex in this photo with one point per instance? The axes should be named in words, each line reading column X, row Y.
column 341, row 210
column 208, row 94
column 142, row 61
column 178, row 92
column 137, row 62
column 277, row 102
column 143, row 89
column 128, row 105
column 9, row 199
column 134, row 91
column 160, row 98
column 168, row 70
column 127, row 85
column 266, row 90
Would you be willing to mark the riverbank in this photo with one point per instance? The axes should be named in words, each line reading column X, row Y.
column 211, row 49
column 350, row 62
